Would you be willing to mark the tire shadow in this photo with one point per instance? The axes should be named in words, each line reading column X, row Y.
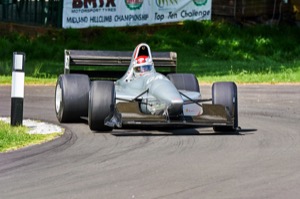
column 133, row 131
column 128, row 132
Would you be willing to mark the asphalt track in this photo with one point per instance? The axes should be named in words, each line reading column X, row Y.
column 261, row 161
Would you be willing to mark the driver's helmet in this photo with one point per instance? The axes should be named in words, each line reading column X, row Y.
column 142, row 66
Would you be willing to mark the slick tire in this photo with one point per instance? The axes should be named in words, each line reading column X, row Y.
column 225, row 93
column 102, row 102
column 184, row 81
column 71, row 97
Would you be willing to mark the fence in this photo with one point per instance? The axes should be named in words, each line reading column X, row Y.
column 248, row 8
column 32, row 12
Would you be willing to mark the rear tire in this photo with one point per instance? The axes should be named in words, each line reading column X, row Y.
column 71, row 97
column 102, row 102
column 225, row 93
column 186, row 82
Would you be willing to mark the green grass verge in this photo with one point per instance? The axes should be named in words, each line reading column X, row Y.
column 250, row 72
column 213, row 51
column 208, row 71
column 12, row 138
column 6, row 80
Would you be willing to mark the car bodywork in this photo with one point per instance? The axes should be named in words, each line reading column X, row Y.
column 151, row 98
column 144, row 96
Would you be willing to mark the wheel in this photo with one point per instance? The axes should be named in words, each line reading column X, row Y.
column 102, row 102
column 71, row 97
column 184, row 81
column 225, row 93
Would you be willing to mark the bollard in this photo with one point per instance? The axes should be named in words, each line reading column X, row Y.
column 17, row 89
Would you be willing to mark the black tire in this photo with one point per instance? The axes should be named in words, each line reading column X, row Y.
column 184, row 81
column 225, row 93
column 71, row 97
column 101, row 104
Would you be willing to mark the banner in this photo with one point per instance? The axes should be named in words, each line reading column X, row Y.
column 116, row 13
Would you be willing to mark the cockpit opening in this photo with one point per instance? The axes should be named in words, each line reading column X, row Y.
column 143, row 51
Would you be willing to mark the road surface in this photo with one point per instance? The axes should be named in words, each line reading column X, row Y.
column 261, row 161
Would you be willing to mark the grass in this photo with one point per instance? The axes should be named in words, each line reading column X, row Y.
column 12, row 138
column 250, row 72
column 213, row 51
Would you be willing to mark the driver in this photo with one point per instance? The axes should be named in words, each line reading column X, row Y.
column 142, row 66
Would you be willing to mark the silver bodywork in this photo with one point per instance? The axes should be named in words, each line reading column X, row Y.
column 156, row 92
column 151, row 98
column 142, row 96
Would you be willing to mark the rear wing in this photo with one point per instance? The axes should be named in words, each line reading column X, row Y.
column 112, row 64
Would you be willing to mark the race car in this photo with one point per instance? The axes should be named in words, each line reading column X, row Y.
column 143, row 96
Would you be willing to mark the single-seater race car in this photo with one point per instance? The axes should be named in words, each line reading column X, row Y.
column 142, row 96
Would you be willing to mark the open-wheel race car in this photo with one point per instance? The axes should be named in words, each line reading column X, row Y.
column 141, row 95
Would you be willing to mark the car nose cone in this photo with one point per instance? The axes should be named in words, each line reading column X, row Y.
column 166, row 92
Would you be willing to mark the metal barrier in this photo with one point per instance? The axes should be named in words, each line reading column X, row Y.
column 32, row 12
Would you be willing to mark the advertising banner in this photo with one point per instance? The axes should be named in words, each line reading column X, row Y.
column 116, row 13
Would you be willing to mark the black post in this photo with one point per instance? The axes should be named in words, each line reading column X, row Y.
column 17, row 89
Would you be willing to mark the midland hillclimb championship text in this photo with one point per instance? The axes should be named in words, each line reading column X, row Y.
column 132, row 17
column 109, row 13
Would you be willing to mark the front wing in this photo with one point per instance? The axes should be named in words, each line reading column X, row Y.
column 213, row 115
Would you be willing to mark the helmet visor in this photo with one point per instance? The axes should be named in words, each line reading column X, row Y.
column 142, row 69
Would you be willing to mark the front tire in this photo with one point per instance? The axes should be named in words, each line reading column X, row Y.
column 225, row 93
column 102, row 102
column 71, row 97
